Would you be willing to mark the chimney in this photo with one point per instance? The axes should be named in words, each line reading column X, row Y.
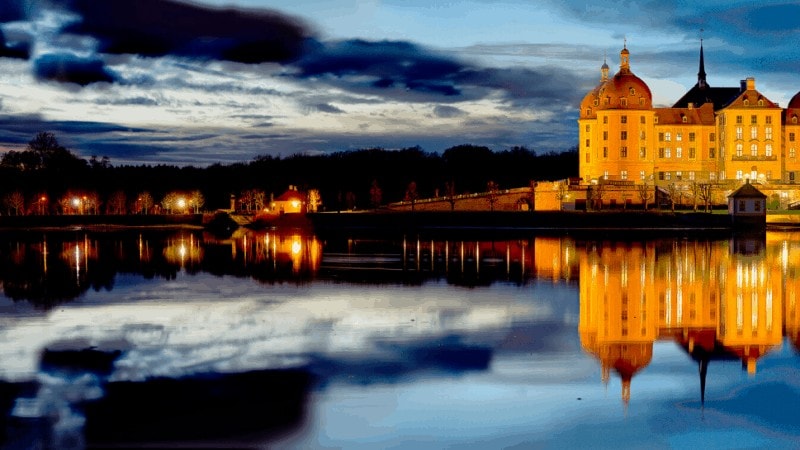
column 748, row 84
column 691, row 105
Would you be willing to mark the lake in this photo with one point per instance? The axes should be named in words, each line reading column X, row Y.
column 282, row 339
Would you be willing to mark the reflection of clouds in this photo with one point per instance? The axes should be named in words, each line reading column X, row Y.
column 232, row 326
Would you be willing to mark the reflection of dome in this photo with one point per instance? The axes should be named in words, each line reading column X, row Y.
column 626, row 359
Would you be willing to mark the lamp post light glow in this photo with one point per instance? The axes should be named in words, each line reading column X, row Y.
column 182, row 204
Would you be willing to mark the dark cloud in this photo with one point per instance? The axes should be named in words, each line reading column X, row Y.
column 19, row 50
column 447, row 112
column 68, row 68
column 326, row 108
column 166, row 27
column 13, row 10
column 382, row 65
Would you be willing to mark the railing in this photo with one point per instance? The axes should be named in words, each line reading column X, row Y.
column 754, row 158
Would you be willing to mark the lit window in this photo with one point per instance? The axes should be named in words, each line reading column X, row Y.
column 739, row 149
column 667, row 137
column 678, row 152
column 643, row 152
column 712, row 176
column 753, row 149
column 641, row 175
column 678, row 175
column 739, row 133
column 792, row 153
column 623, row 174
column 667, row 152
column 605, row 175
column 768, row 133
column 691, row 175
column 768, row 149
column 678, row 136
column 739, row 175
column 667, row 176
column 623, row 152
column 753, row 132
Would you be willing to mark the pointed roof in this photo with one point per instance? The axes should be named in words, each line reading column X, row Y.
column 701, row 93
column 747, row 191
column 290, row 195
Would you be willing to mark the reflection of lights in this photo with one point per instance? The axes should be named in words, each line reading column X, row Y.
column 76, row 202
column 77, row 262
column 182, row 251
column 296, row 247
column 181, row 203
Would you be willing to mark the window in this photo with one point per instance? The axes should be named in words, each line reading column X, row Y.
column 691, row 175
column 605, row 175
column 678, row 152
column 768, row 149
column 712, row 176
column 791, row 177
column 760, row 102
column 769, row 120
column 739, row 149
column 587, row 128
column 587, row 142
column 684, row 119
column 587, row 158
column 661, row 176
column 679, row 175
column 791, row 137
column 792, row 153
column 691, row 137
column 661, row 137
column 692, row 153
column 712, row 153
column 605, row 152
column 623, row 102
column 667, row 176
column 753, row 132
column 742, row 206
column 678, row 136
column 794, row 119
column 721, row 174
column 769, row 175
column 643, row 152
column 623, row 135
column 667, row 137
column 655, row 119
column 588, row 111
column 641, row 175
column 660, row 152
column 641, row 120
column 753, row 175
column 667, row 152
column 623, row 152
column 641, row 102
column 746, row 102
column 739, row 175
column 768, row 133
column 753, row 149
column 632, row 91
column 738, row 119
column 642, row 135
column 753, row 120
column 712, row 137
column 757, row 203
column 623, row 174
column 605, row 135
column 605, row 119
column 739, row 133
column 596, row 102
column 623, row 119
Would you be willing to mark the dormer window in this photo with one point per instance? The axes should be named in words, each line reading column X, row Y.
column 641, row 101
column 794, row 119
column 596, row 102
column 632, row 91
column 746, row 102
column 655, row 119
column 623, row 101
column 588, row 111
column 761, row 103
column 684, row 119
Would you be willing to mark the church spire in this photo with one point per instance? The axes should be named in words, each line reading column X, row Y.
column 701, row 74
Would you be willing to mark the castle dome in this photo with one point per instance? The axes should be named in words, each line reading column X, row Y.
column 794, row 103
column 622, row 91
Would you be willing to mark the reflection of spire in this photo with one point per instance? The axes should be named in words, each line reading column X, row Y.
column 703, row 366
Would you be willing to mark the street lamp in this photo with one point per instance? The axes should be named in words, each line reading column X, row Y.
column 182, row 204
column 76, row 203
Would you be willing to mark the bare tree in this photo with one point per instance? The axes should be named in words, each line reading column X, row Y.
column 314, row 200
column 196, row 200
column 673, row 191
column 375, row 194
column 492, row 191
column 171, row 202
column 705, row 193
column 144, row 201
column 596, row 194
column 350, row 199
column 645, row 194
column 450, row 194
column 561, row 194
column 411, row 194
column 16, row 201
column 116, row 203
column 695, row 193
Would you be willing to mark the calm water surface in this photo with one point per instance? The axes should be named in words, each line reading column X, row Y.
column 281, row 339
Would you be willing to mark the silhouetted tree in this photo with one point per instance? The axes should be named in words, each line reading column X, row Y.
column 375, row 194
column 411, row 194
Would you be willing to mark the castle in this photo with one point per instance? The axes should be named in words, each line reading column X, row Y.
column 715, row 136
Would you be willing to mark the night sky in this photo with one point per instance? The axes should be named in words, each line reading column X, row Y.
column 163, row 81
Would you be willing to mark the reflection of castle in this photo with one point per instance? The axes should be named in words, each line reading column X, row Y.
column 714, row 302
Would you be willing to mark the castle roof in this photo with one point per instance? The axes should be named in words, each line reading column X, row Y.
column 704, row 115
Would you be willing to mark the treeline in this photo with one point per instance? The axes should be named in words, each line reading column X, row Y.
column 349, row 179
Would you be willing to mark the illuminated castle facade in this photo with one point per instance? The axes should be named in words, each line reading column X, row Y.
column 710, row 135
